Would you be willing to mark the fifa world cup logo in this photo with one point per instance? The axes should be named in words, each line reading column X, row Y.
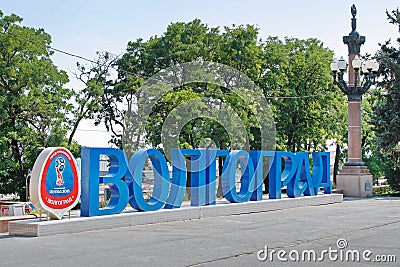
column 60, row 166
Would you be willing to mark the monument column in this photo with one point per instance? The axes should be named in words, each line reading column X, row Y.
column 354, row 179
column 354, row 42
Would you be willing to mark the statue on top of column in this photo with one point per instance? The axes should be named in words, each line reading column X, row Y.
column 354, row 40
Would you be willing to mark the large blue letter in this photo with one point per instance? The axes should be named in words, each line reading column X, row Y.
column 260, row 170
column 229, row 176
column 91, row 179
column 179, row 177
column 211, row 177
column 199, row 192
column 279, row 178
column 301, row 182
column 161, row 180
column 322, row 172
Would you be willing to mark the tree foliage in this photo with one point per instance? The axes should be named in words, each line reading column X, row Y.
column 90, row 102
column 372, row 155
column 292, row 67
column 387, row 111
column 33, row 101
column 308, row 109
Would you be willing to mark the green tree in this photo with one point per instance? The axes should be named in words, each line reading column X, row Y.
column 293, row 73
column 91, row 101
column 33, row 101
column 308, row 110
column 387, row 112
column 372, row 156
column 187, row 42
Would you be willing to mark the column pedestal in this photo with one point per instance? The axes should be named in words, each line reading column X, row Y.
column 355, row 181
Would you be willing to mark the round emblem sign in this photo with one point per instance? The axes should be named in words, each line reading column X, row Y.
column 55, row 184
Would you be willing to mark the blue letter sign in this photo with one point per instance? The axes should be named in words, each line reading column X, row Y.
column 286, row 169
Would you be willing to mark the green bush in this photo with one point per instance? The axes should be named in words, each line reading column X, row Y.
column 382, row 189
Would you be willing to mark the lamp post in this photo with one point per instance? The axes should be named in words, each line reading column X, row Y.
column 354, row 91
column 354, row 178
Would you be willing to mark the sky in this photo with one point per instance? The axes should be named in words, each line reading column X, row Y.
column 85, row 27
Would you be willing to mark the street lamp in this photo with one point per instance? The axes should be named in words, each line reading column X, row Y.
column 354, row 178
column 355, row 89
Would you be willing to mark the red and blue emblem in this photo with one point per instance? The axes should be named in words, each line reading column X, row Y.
column 57, row 181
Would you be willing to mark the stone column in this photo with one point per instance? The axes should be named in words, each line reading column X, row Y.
column 354, row 118
column 354, row 131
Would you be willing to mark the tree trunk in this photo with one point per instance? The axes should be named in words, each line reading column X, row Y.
column 220, row 194
column 20, row 171
column 266, row 184
column 188, row 181
column 336, row 164
column 74, row 128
